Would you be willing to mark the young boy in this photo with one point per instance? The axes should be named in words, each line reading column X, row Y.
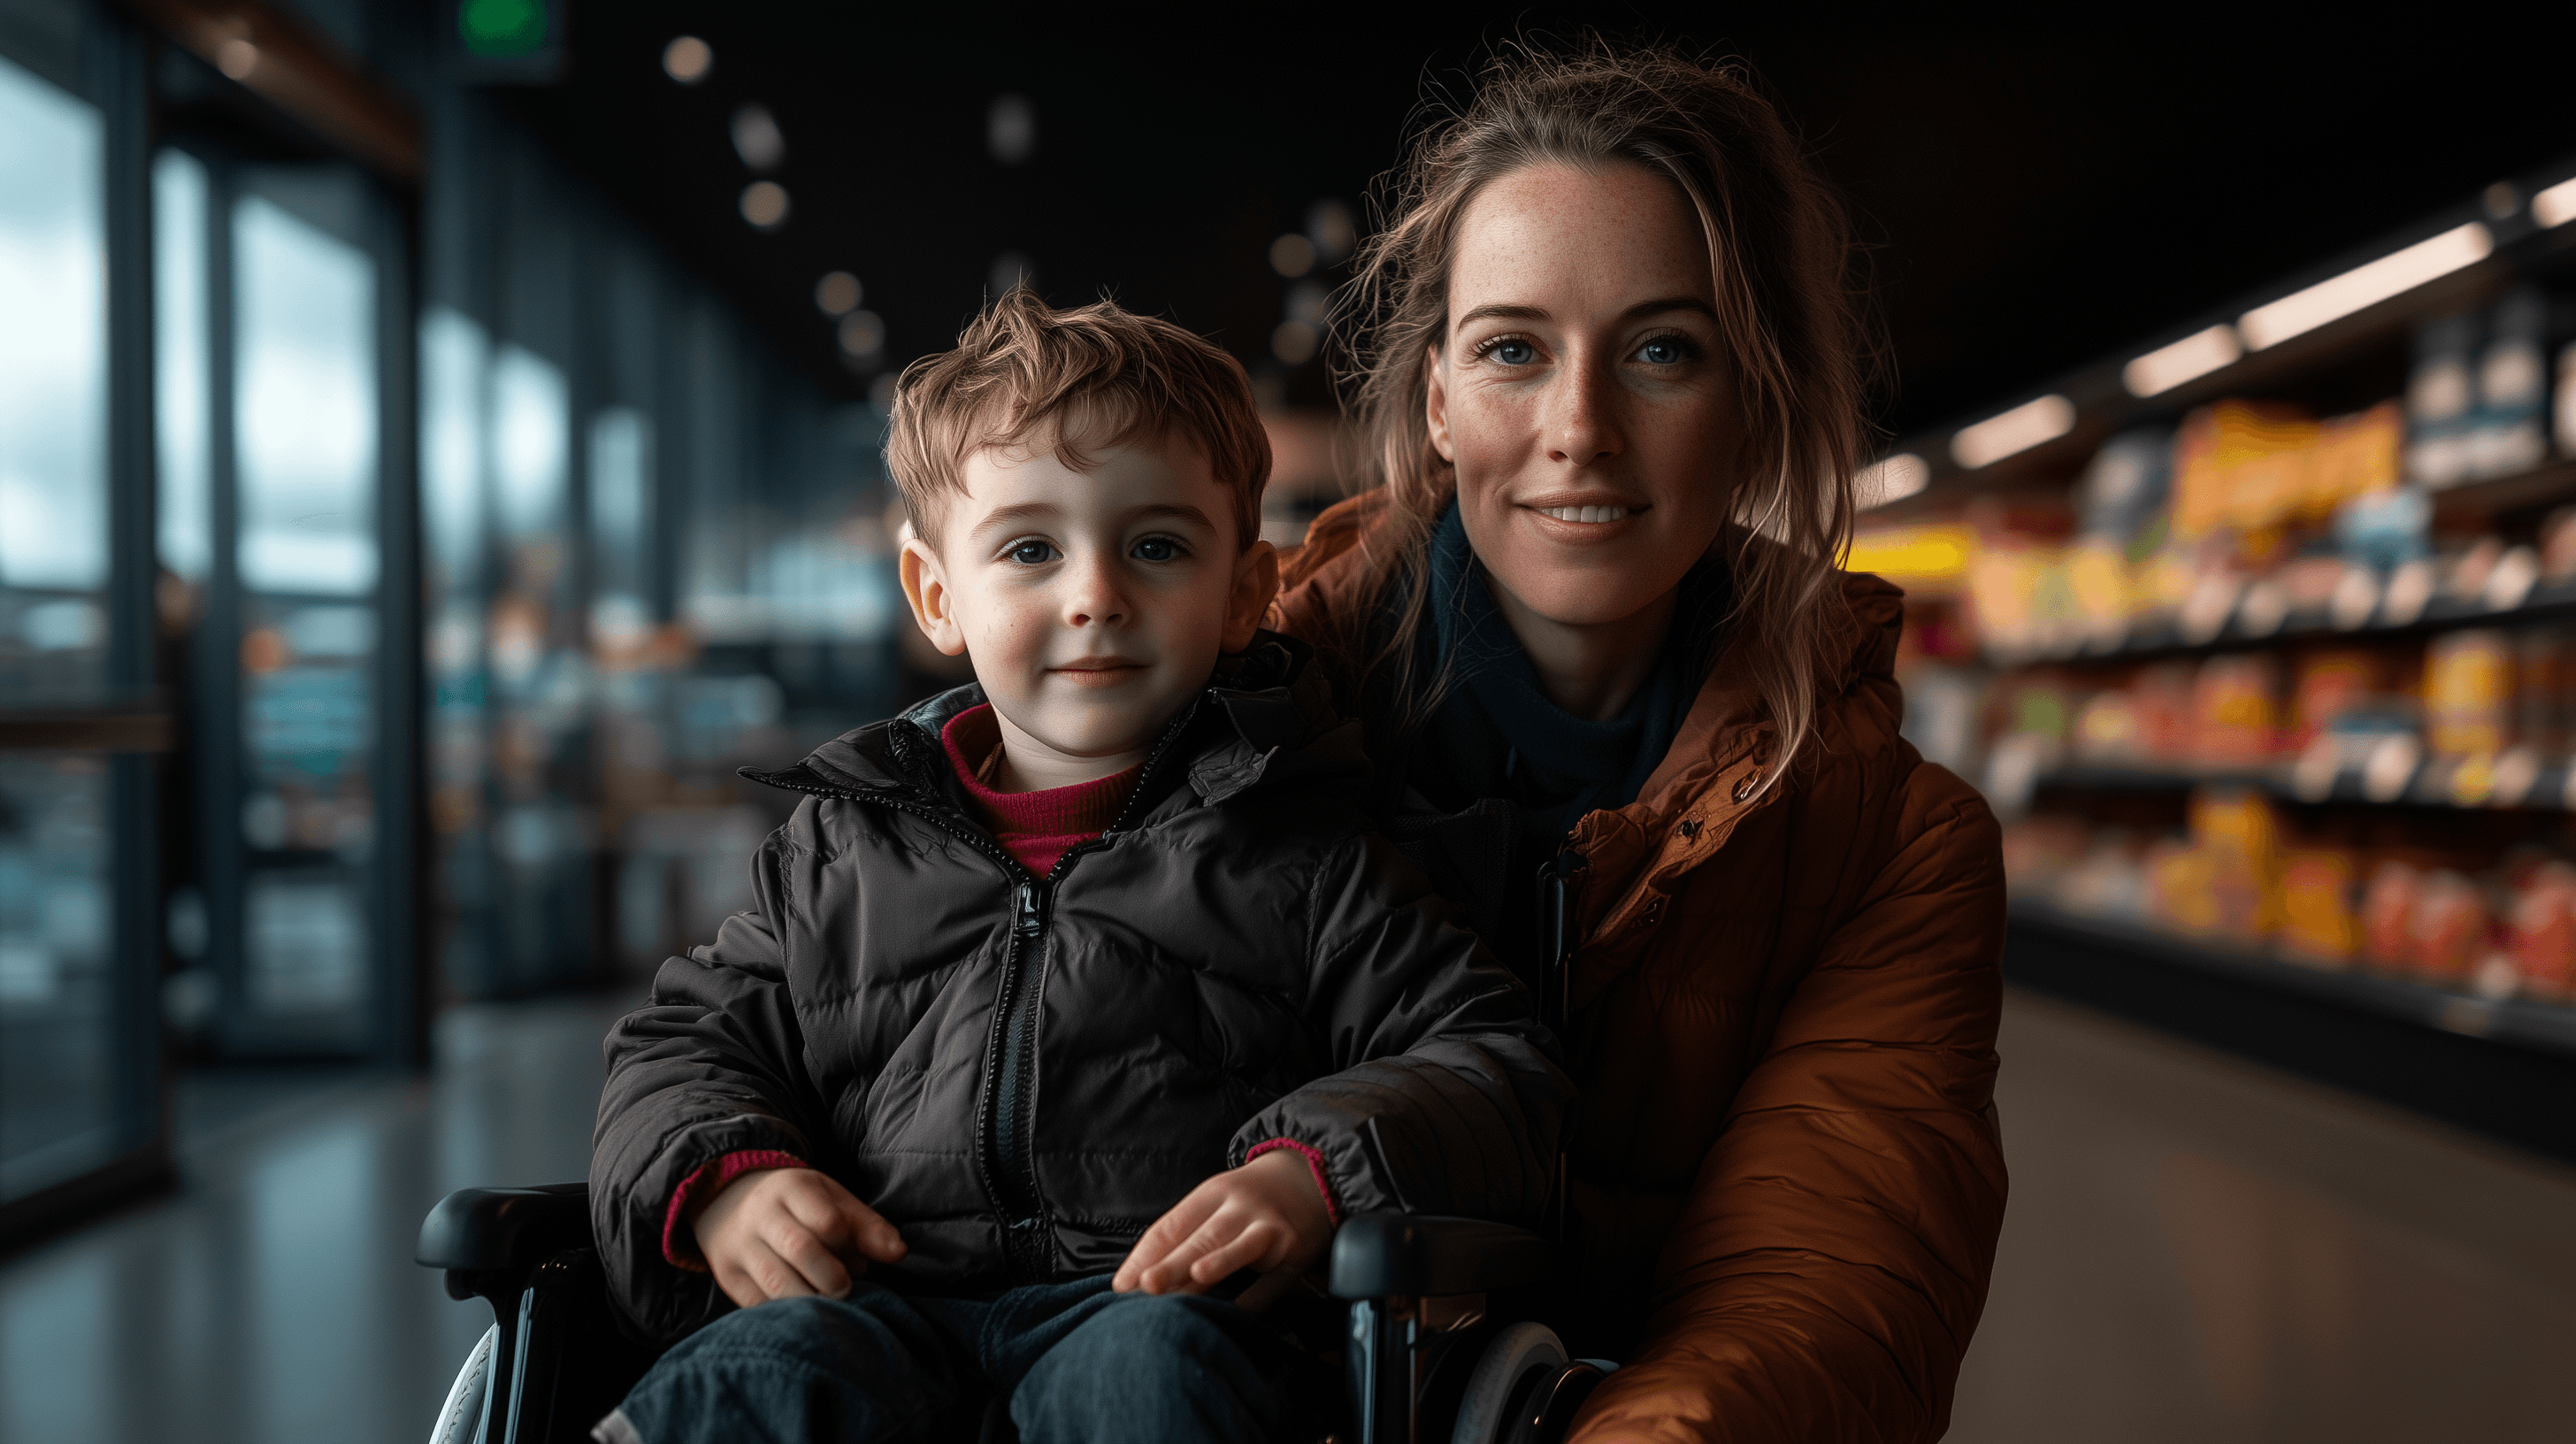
column 1069, row 995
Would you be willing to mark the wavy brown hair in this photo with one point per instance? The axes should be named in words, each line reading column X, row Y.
column 1780, row 249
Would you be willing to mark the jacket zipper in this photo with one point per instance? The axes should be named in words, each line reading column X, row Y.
column 1557, row 878
column 1009, row 1171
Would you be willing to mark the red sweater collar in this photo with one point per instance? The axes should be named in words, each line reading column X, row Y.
column 974, row 742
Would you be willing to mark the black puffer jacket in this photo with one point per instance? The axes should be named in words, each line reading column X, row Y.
column 1022, row 1073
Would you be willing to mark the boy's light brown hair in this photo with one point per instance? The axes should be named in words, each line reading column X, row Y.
column 1100, row 375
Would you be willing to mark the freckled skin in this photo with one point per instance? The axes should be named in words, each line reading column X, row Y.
column 1584, row 391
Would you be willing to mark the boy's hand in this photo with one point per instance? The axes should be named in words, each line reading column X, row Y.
column 1266, row 1215
column 776, row 1233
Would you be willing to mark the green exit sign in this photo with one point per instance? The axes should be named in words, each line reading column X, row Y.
column 502, row 29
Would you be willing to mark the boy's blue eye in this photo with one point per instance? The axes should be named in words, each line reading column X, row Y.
column 1156, row 549
column 1031, row 553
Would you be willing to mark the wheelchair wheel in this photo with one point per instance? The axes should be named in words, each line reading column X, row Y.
column 1524, row 1351
column 460, row 1419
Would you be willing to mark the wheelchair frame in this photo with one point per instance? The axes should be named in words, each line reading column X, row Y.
column 1417, row 1285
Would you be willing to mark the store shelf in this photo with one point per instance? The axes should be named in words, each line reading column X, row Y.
column 2524, row 1023
column 2449, row 782
column 2504, row 1068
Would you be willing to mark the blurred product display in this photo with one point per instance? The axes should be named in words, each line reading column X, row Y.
column 2272, row 670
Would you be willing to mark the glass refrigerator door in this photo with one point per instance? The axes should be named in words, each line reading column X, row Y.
column 76, row 1093
column 293, row 657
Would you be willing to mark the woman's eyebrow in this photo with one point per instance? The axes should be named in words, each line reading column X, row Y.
column 1658, row 307
column 1500, row 311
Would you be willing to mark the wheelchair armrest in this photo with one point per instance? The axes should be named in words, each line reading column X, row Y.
column 1380, row 1255
column 478, row 1230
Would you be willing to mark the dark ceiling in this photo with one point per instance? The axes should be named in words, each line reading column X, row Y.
column 2034, row 195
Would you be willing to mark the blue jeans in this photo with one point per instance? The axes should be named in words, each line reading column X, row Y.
column 1077, row 1363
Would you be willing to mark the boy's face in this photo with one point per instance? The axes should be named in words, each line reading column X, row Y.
column 1092, row 604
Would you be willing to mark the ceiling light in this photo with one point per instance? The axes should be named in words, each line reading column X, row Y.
column 1292, row 255
column 756, row 137
column 1893, row 479
column 1011, row 129
column 862, row 333
column 1294, row 342
column 2188, row 359
column 237, row 58
column 687, row 60
column 2555, row 206
column 764, row 204
column 1330, row 227
column 2365, row 286
column 836, row 293
column 2017, row 430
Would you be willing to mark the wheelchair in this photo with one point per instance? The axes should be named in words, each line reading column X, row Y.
column 1424, row 1357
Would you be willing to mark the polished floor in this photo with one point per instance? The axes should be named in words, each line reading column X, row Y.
column 2198, row 1249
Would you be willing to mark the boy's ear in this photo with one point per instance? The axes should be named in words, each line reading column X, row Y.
column 925, row 586
column 1256, row 582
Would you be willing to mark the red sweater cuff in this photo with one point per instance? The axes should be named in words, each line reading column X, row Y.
column 1314, row 1164
column 705, row 1183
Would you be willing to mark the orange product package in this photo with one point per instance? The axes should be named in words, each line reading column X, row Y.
column 2541, row 677
column 2234, row 715
column 2388, row 913
column 2239, row 834
column 2468, row 691
column 2320, row 919
column 2178, row 890
column 2328, row 684
column 2451, row 927
column 2541, row 930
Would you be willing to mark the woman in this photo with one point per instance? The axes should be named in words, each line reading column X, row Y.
column 1608, row 382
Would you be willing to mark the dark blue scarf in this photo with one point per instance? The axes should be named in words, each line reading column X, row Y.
column 1496, row 734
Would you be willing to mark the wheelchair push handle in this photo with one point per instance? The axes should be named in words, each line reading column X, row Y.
column 481, row 1230
column 1387, row 1254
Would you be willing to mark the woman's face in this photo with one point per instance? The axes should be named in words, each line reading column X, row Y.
column 1583, row 393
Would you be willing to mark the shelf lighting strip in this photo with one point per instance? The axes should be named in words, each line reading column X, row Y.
column 2555, row 206
column 2018, row 430
column 2366, row 285
column 1893, row 479
column 2188, row 359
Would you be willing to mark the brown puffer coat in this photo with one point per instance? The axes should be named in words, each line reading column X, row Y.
column 1787, row 1176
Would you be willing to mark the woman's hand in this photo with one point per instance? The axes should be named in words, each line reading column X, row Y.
column 1267, row 1215
column 776, row 1233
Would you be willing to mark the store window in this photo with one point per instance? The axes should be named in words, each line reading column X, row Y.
column 306, row 466
column 58, row 1029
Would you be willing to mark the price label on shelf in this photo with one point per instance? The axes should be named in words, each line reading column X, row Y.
column 2266, row 606
column 2390, row 766
column 2517, row 772
column 2409, row 588
column 2510, row 584
column 2356, row 596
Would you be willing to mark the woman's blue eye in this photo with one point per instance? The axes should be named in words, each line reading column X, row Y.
column 1664, row 351
column 1156, row 549
column 1513, row 353
column 1031, row 553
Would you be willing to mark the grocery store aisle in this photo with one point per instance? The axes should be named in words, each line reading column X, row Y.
column 2201, row 1248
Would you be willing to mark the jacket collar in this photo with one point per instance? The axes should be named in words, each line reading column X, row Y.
column 1265, row 716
